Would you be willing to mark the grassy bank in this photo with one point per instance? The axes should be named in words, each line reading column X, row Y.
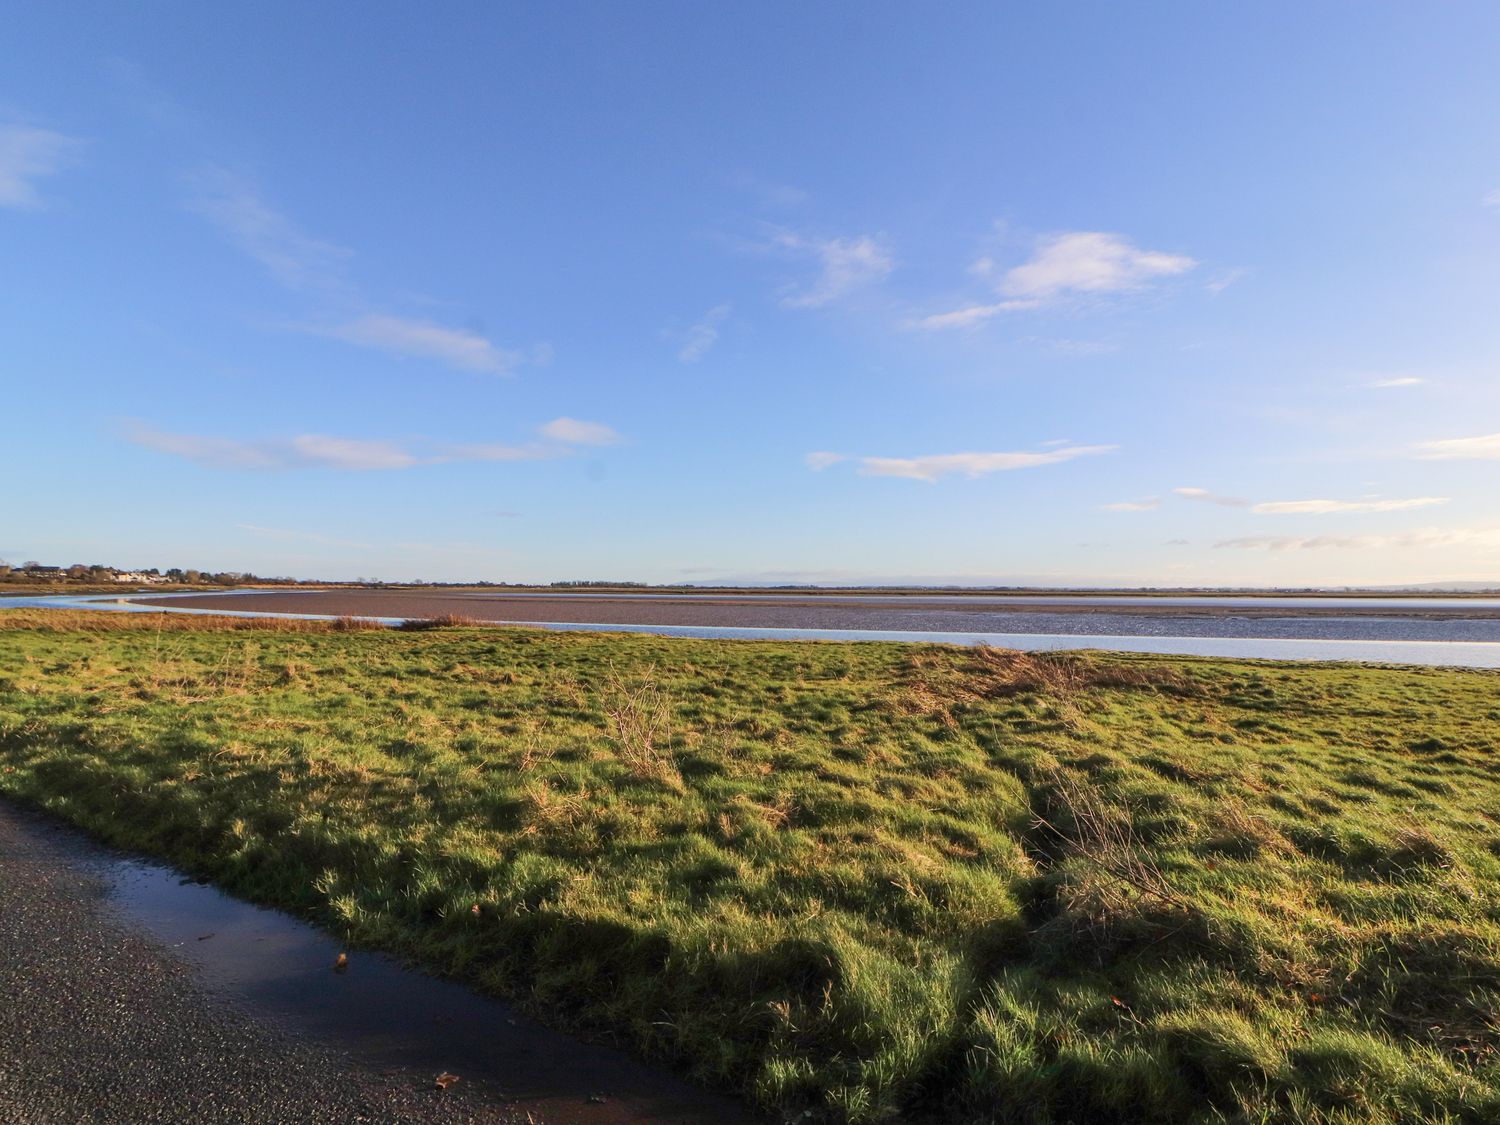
column 874, row 881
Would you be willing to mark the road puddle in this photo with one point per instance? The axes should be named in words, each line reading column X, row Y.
column 390, row 1017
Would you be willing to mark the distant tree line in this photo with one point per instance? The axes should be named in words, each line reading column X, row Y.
column 598, row 582
column 35, row 573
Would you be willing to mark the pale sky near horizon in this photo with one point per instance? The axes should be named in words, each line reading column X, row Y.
column 1165, row 294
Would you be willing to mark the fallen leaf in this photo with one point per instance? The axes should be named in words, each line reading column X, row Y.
column 474, row 909
column 444, row 1080
column 342, row 964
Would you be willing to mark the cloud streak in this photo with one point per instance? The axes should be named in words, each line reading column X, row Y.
column 295, row 259
column 1147, row 505
column 1330, row 507
column 571, row 431
column 1484, row 448
column 845, row 265
column 1203, row 496
column 933, row 467
column 1064, row 266
column 403, row 336
column 306, row 264
column 972, row 316
column 1312, row 507
column 305, row 451
column 1473, row 537
column 700, row 338
column 323, row 451
column 1089, row 262
column 28, row 154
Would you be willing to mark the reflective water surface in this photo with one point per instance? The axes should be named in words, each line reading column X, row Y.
column 1433, row 631
column 389, row 1016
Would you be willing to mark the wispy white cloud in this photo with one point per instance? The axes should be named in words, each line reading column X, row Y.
column 844, row 265
column 1330, row 507
column 1471, row 537
column 302, row 451
column 822, row 459
column 1314, row 507
column 292, row 257
column 1224, row 280
column 307, row 264
column 457, row 347
column 497, row 451
column 571, row 431
column 1149, row 504
column 1089, row 262
column 696, row 342
column 1485, row 448
column 1065, row 265
column 350, row 453
column 1492, row 199
column 322, row 451
column 28, row 154
column 932, row 467
column 971, row 316
column 1396, row 381
column 1204, row 496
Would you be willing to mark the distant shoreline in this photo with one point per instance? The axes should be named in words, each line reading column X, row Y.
column 17, row 589
column 732, row 607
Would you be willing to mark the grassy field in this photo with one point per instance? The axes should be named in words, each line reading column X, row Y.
column 868, row 882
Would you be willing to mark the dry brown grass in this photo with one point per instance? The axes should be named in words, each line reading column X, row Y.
column 641, row 718
column 442, row 621
column 1416, row 845
column 109, row 621
column 1000, row 671
column 1109, row 888
column 1240, row 832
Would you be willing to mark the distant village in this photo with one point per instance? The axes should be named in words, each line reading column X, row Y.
column 95, row 574
column 79, row 574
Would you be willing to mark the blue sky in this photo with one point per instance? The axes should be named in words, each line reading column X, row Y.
column 1172, row 293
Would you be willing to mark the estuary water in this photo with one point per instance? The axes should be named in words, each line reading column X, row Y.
column 1461, row 632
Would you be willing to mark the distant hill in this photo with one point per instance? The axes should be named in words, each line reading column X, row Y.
column 1445, row 587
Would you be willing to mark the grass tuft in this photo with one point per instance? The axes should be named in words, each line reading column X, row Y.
column 442, row 621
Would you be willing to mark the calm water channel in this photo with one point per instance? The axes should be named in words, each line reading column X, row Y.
column 1433, row 631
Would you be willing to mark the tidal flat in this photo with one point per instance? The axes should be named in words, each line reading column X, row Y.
column 853, row 882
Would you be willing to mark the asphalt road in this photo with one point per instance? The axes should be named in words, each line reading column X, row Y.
column 100, row 1024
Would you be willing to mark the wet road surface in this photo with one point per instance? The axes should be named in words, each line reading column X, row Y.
column 130, row 994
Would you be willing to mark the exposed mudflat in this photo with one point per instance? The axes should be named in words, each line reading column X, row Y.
column 1386, row 619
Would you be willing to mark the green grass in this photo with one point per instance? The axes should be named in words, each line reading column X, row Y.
column 872, row 881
